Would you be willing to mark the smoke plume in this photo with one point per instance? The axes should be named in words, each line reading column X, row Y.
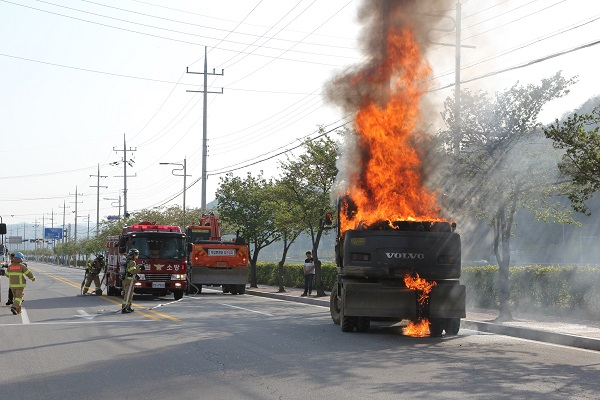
column 384, row 94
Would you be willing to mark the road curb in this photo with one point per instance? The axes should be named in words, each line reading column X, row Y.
column 317, row 301
column 522, row 333
column 533, row 334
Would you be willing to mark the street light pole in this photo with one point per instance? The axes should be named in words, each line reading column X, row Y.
column 2, row 232
column 174, row 172
column 112, row 204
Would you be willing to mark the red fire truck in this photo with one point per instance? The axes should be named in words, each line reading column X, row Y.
column 213, row 261
column 162, row 258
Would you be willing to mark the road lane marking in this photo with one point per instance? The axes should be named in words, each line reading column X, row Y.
column 78, row 286
column 85, row 315
column 247, row 309
column 81, row 322
column 164, row 315
column 24, row 316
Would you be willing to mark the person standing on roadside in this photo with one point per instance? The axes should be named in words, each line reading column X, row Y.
column 16, row 273
column 131, row 271
column 309, row 274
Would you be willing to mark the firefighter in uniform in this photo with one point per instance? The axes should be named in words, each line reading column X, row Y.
column 92, row 270
column 16, row 273
column 131, row 270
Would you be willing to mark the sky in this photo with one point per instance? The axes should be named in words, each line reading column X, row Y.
column 82, row 79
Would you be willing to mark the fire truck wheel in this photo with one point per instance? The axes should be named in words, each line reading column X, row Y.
column 226, row 289
column 242, row 289
column 178, row 294
column 363, row 324
column 334, row 305
column 452, row 326
column 436, row 327
column 233, row 289
column 110, row 290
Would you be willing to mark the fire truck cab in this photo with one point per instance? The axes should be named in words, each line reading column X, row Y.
column 162, row 259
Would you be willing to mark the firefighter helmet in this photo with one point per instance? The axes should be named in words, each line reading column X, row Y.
column 100, row 256
column 133, row 252
column 20, row 255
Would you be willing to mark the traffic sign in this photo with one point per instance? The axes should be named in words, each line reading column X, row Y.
column 53, row 233
column 112, row 217
column 15, row 239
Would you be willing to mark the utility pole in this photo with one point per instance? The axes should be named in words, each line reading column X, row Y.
column 457, row 119
column 125, row 161
column 97, row 200
column 76, row 202
column 204, row 133
column 64, row 207
column 457, row 45
column 35, row 239
column 88, row 221
column 52, row 226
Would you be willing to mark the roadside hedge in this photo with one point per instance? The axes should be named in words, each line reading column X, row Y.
column 552, row 290
column 293, row 277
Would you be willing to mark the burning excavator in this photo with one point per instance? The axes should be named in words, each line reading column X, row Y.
column 400, row 270
column 397, row 256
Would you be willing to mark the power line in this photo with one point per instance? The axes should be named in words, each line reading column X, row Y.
column 278, row 154
column 295, row 44
column 527, row 64
column 268, row 39
column 86, row 69
column 47, row 173
column 153, row 27
column 228, row 20
column 161, row 106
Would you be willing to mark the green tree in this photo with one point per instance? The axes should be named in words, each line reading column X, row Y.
column 579, row 138
column 249, row 205
column 289, row 222
column 310, row 177
column 172, row 215
column 504, row 164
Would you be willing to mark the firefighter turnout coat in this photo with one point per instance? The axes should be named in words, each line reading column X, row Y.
column 131, row 271
column 93, row 269
column 16, row 274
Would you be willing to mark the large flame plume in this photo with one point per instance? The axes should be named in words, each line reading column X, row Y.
column 383, row 175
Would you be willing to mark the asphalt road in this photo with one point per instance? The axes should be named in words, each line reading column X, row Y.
column 215, row 346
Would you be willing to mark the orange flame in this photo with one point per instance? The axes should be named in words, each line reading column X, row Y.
column 389, row 185
column 420, row 285
column 419, row 328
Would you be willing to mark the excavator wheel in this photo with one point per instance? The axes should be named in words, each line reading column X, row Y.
column 363, row 324
column 436, row 327
column 334, row 304
column 452, row 326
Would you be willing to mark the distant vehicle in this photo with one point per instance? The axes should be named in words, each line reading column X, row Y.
column 214, row 261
